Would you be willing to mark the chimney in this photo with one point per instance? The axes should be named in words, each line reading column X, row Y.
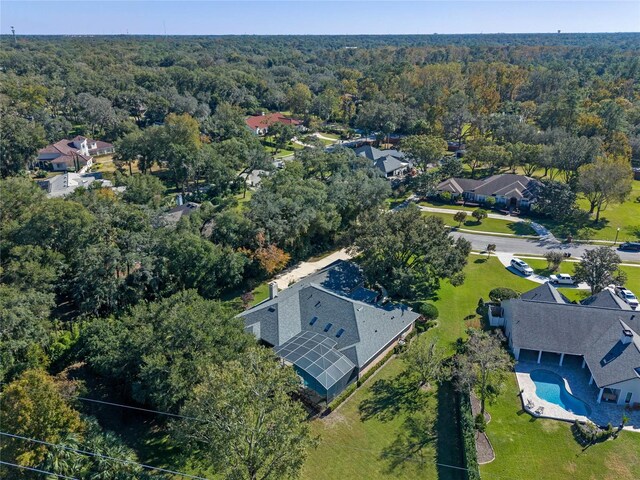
column 627, row 336
column 273, row 290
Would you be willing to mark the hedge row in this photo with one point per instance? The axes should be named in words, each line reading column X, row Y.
column 468, row 435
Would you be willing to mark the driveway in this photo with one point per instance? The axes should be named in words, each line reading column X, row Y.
column 302, row 269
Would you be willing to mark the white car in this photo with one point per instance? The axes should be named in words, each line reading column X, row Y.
column 562, row 279
column 522, row 267
column 628, row 297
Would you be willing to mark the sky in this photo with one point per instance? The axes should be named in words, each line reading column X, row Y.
column 177, row 17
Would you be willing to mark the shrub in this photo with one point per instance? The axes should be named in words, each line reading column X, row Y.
column 445, row 197
column 490, row 202
column 429, row 311
column 502, row 293
column 479, row 214
column 468, row 434
column 590, row 433
column 554, row 259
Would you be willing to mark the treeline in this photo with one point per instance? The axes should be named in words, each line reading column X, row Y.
column 112, row 86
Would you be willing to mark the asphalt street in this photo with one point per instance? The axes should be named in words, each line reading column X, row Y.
column 534, row 246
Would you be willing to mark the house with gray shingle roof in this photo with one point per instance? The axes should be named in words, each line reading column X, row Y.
column 602, row 334
column 329, row 327
column 390, row 162
column 508, row 189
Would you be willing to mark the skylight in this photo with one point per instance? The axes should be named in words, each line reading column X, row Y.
column 340, row 332
column 328, row 327
column 313, row 320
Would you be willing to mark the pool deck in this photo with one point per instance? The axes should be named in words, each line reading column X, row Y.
column 577, row 383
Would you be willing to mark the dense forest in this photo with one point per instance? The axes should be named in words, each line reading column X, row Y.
column 101, row 299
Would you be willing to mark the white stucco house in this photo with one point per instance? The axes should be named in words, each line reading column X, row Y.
column 602, row 334
column 76, row 154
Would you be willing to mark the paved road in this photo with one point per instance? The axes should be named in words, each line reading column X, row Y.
column 534, row 246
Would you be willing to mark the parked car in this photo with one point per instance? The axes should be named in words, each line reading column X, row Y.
column 628, row 296
column 521, row 266
column 562, row 279
column 630, row 246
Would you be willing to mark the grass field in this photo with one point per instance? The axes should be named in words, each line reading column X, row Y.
column 380, row 433
column 532, row 449
column 487, row 225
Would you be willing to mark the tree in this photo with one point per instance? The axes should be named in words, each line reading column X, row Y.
column 526, row 155
column 128, row 150
column 299, row 98
column 491, row 248
column 160, row 351
column 605, row 181
column 26, row 328
column 450, row 167
column 281, row 134
column 554, row 258
column 143, row 189
column 479, row 214
column 457, row 117
column 424, row 149
column 33, row 406
column 425, row 359
column 460, row 217
column 252, row 429
column 19, row 143
column 555, row 200
column 482, row 366
column 597, row 268
column 426, row 184
column 408, row 253
column 187, row 260
column 569, row 153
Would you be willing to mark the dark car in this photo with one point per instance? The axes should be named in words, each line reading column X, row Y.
column 630, row 246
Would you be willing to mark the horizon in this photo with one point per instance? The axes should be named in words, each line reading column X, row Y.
column 317, row 17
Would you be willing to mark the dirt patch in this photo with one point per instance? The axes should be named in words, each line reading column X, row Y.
column 475, row 408
column 484, row 448
column 333, row 420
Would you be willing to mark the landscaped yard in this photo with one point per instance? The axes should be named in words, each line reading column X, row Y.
column 374, row 434
column 487, row 225
column 528, row 448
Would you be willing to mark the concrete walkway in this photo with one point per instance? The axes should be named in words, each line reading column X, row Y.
column 302, row 269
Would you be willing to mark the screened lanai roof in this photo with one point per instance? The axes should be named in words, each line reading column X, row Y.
column 316, row 355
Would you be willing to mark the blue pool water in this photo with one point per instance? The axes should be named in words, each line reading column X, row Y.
column 550, row 387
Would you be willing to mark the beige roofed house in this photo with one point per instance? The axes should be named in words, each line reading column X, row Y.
column 508, row 189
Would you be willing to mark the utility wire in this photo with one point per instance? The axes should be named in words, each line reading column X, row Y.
column 36, row 470
column 175, row 415
column 93, row 454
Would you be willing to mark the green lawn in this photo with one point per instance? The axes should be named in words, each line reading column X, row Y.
column 457, row 305
column 434, row 202
column 528, row 448
column 540, row 267
column 373, row 434
column 487, row 225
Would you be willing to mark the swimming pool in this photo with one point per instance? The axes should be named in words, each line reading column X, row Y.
column 550, row 387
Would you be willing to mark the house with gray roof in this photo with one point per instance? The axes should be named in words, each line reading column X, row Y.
column 392, row 163
column 329, row 327
column 599, row 334
column 508, row 189
column 66, row 183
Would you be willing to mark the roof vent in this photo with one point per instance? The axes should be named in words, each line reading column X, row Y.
column 627, row 336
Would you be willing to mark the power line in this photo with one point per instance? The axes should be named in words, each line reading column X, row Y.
column 36, row 470
column 175, row 415
column 106, row 457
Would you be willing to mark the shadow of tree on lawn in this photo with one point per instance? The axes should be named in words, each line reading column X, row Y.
column 409, row 445
column 388, row 398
